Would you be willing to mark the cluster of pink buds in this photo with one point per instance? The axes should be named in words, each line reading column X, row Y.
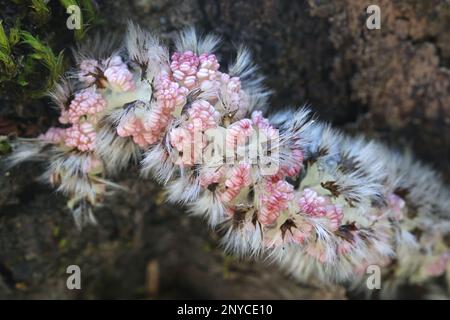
column 204, row 112
column 312, row 204
column 238, row 178
column 81, row 115
column 272, row 134
column 184, row 67
column 81, row 136
column 332, row 205
column 132, row 126
column 193, row 71
column 238, row 132
column 117, row 74
column 86, row 102
column 169, row 95
column 293, row 168
column 77, row 165
column 274, row 199
column 315, row 205
column 234, row 95
column 112, row 72
column 208, row 71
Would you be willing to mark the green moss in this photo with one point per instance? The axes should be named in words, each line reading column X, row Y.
column 33, row 36
column 43, row 54
column 40, row 12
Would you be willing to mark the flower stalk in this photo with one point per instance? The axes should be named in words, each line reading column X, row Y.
column 285, row 187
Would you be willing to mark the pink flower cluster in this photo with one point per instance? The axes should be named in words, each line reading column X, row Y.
column 202, row 116
column 147, row 129
column 274, row 199
column 81, row 113
column 264, row 126
column 131, row 126
column 188, row 140
column 87, row 71
column 169, row 94
column 238, row 178
column 234, row 95
column 118, row 75
column 184, row 67
column 189, row 72
column 203, row 111
column 193, row 71
column 85, row 102
column 81, row 136
column 208, row 71
column 293, row 168
column 114, row 70
column 238, row 132
column 312, row 204
column 334, row 215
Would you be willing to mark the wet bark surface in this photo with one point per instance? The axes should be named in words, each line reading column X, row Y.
column 392, row 84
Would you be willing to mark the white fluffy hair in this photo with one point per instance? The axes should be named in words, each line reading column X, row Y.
column 107, row 142
column 27, row 150
column 61, row 93
column 145, row 49
column 252, row 82
column 101, row 46
column 189, row 40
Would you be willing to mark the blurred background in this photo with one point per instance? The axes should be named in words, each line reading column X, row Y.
column 391, row 84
